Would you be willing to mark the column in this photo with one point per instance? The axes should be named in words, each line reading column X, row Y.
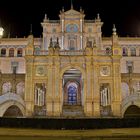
column 62, row 30
column 96, row 91
column 101, row 97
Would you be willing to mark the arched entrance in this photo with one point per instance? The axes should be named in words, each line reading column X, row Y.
column 72, row 93
column 72, row 87
column 132, row 111
column 13, row 111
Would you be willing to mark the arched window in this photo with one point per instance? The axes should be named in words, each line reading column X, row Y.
column 11, row 52
column 133, row 51
column 6, row 87
column 124, row 52
column 108, row 51
column 72, row 89
column 3, row 52
column 19, row 52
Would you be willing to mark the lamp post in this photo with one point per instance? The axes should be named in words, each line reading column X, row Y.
column 1, row 32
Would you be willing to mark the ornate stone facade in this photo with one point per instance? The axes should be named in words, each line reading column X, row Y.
column 71, row 72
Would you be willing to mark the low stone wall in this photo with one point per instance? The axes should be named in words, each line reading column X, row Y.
column 62, row 123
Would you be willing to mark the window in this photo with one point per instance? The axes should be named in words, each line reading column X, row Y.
column 71, row 45
column 40, row 94
column 108, row 51
column 133, row 51
column 3, row 52
column 11, row 52
column 19, row 52
column 14, row 66
column 129, row 66
column 105, row 95
column 125, row 52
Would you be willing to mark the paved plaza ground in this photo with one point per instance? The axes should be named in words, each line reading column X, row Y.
column 128, row 132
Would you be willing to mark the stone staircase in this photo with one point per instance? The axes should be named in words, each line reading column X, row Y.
column 72, row 111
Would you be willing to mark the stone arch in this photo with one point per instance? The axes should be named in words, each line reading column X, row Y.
column 9, row 99
column 124, row 108
column 132, row 111
column 13, row 111
column 6, row 105
column 19, row 52
column 71, row 67
column 82, row 71
column 11, row 52
column 3, row 52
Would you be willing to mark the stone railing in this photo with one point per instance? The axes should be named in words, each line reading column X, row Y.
column 72, row 52
column 11, row 97
column 131, row 98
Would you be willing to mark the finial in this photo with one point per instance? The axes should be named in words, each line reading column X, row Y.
column 63, row 9
column 114, row 30
column 57, row 43
column 71, row 4
column 98, row 16
column 30, row 29
column 80, row 9
column 45, row 17
column 51, row 43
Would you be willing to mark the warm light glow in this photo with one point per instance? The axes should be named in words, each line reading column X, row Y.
column 1, row 32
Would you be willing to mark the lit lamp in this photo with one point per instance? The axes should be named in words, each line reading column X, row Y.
column 1, row 32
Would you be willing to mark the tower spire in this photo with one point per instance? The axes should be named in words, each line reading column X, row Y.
column 71, row 4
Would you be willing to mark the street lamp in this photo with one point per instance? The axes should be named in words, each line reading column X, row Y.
column 1, row 32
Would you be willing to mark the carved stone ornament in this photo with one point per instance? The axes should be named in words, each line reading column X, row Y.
column 40, row 71
column 104, row 70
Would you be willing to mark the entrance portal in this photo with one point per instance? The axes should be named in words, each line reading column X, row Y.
column 72, row 93
column 72, row 87
column 132, row 111
column 13, row 111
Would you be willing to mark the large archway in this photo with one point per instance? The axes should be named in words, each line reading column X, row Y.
column 132, row 111
column 72, row 84
column 13, row 111
column 72, row 87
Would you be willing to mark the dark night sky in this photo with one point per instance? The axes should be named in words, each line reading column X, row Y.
column 17, row 16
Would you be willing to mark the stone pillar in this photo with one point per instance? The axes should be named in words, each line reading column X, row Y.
column 116, row 95
column 29, row 91
column 96, row 91
column 49, row 94
column 88, row 97
column 15, row 52
column 56, row 84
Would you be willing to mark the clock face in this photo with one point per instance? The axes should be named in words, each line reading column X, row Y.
column 72, row 28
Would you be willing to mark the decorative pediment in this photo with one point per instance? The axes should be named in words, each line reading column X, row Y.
column 72, row 12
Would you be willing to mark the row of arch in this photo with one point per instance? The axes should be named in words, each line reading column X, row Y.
column 130, row 51
column 12, row 52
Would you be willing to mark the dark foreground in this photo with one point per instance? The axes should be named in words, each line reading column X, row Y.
column 70, row 124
